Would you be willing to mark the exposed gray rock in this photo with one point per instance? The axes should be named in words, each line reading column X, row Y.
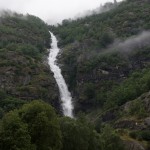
column 133, row 145
column 147, row 101
column 109, row 115
column 126, row 106
column 129, row 124
column 147, row 121
column 145, row 98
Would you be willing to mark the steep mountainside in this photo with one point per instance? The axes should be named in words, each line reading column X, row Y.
column 26, row 123
column 24, row 73
column 103, row 53
column 106, row 62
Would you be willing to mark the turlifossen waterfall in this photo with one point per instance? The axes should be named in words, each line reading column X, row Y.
column 63, row 89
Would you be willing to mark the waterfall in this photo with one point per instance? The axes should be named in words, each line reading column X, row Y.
column 63, row 89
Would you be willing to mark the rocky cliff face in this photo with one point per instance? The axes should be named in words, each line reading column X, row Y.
column 133, row 145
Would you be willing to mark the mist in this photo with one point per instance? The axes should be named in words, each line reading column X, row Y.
column 132, row 43
column 6, row 13
column 51, row 11
column 102, row 8
column 125, row 47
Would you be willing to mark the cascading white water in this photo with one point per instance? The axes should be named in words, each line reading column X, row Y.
column 63, row 89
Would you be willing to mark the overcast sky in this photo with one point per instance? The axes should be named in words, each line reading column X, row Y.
column 52, row 11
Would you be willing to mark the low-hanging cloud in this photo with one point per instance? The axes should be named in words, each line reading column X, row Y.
column 5, row 13
column 132, row 43
column 125, row 47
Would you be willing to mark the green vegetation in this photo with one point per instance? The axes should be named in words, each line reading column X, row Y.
column 133, row 87
column 141, row 135
column 35, row 126
column 137, row 109
column 24, row 74
column 109, row 139
column 14, row 134
column 16, row 28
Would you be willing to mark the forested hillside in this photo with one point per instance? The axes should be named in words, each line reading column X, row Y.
column 23, row 74
column 103, row 53
column 106, row 62
column 26, row 121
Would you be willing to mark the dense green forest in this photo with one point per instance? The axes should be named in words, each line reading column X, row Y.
column 35, row 126
column 105, row 60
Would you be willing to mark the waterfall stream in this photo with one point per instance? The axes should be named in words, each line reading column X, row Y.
column 63, row 89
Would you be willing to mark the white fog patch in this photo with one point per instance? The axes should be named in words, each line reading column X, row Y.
column 138, row 41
